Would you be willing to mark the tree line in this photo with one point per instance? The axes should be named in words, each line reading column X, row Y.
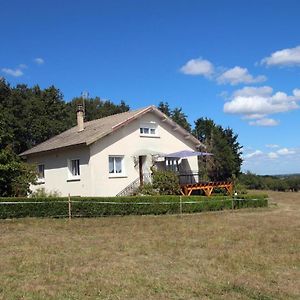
column 282, row 183
column 31, row 115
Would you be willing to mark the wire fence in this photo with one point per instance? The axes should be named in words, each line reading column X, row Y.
column 86, row 208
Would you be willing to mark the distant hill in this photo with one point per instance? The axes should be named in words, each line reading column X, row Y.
column 280, row 182
column 287, row 175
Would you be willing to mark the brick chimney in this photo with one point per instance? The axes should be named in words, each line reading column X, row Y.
column 80, row 116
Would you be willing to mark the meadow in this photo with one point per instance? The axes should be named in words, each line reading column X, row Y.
column 245, row 254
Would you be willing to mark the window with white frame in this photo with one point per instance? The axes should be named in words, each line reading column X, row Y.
column 41, row 172
column 74, row 168
column 116, row 165
column 148, row 129
column 172, row 164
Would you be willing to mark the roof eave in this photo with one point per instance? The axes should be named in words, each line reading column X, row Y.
column 28, row 152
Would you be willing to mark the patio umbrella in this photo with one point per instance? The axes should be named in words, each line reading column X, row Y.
column 187, row 153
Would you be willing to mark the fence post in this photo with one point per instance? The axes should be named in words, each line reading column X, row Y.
column 70, row 208
column 180, row 199
column 232, row 206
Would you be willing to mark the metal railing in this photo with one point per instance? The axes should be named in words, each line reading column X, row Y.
column 190, row 177
column 134, row 185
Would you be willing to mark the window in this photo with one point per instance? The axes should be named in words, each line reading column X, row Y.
column 41, row 173
column 172, row 164
column 148, row 129
column 74, row 168
column 116, row 165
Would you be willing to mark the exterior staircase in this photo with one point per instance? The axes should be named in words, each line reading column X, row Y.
column 131, row 189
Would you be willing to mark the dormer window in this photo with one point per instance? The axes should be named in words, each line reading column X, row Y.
column 148, row 129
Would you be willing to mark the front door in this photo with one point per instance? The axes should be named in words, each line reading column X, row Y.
column 141, row 162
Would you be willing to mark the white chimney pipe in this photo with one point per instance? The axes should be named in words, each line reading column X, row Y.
column 80, row 117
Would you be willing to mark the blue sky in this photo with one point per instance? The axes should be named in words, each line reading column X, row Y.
column 237, row 62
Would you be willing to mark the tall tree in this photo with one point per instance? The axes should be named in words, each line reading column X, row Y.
column 226, row 160
column 96, row 108
column 33, row 115
column 15, row 175
column 165, row 108
column 180, row 118
column 236, row 147
column 176, row 114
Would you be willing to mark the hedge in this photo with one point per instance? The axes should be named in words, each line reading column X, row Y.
column 108, row 206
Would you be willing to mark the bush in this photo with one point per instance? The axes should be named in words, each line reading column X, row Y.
column 147, row 189
column 240, row 188
column 42, row 193
column 166, row 182
column 110, row 206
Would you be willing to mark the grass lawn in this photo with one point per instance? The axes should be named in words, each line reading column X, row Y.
column 247, row 254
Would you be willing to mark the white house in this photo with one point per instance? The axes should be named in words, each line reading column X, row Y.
column 106, row 157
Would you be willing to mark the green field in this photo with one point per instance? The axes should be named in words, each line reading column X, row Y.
column 245, row 254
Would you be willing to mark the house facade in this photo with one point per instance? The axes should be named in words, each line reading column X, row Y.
column 105, row 156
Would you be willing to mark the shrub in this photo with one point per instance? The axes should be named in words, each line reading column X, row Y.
column 109, row 206
column 42, row 193
column 147, row 189
column 240, row 188
column 166, row 182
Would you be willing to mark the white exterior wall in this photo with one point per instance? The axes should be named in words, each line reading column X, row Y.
column 128, row 142
column 57, row 172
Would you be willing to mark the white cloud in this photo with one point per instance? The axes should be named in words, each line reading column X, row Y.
column 272, row 146
column 253, row 154
column 23, row 66
column 280, row 152
column 284, row 57
column 291, row 152
column 272, row 155
column 233, row 76
column 284, row 160
column 258, row 102
column 13, row 72
column 239, row 75
column 249, row 91
column 253, row 116
column 198, row 66
column 296, row 93
column 264, row 122
column 285, row 151
column 39, row 60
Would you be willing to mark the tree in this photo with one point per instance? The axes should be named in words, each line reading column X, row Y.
column 33, row 115
column 175, row 114
column 15, row 175
column 165, row 108
column 180, row 118
column 222, row 143
column 96, row 108
column 232, row 140
column 204, row 128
